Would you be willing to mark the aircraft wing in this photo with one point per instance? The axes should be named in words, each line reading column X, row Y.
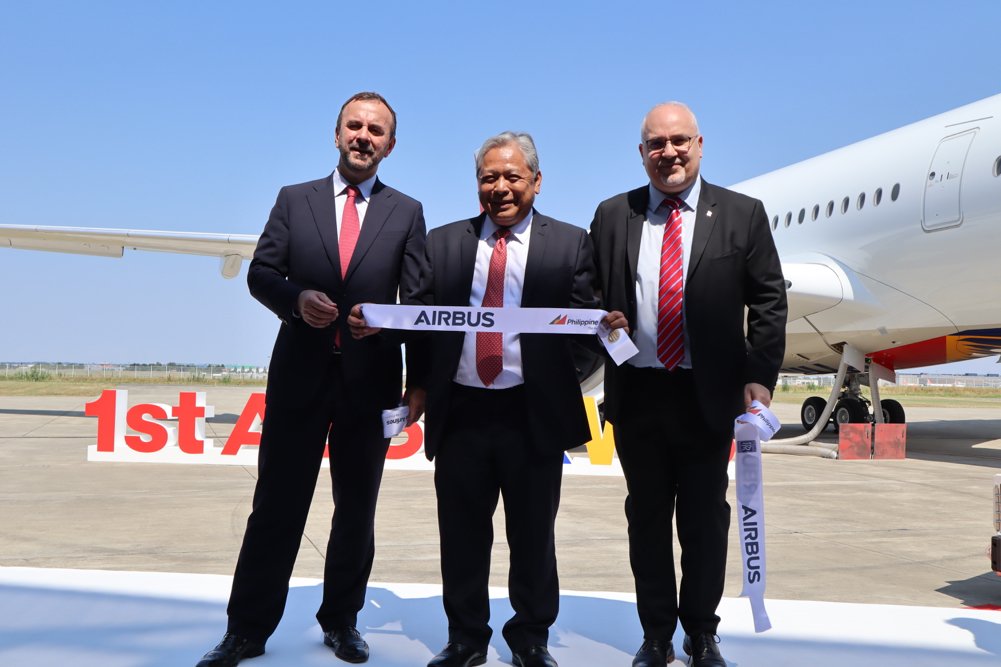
column 232, row 249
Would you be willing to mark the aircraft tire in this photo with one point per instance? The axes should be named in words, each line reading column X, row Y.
column 849, row 411
column 893, row 412
column 812, row 408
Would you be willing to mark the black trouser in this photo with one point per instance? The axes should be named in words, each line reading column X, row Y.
column 487, row 450
column 291, row 451
column 674, row 463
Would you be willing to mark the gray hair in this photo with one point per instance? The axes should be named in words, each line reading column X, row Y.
column 678, row 105
column 524, row 142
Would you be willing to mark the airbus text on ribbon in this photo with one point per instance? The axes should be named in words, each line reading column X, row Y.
column 502, row 320
column 755, row 426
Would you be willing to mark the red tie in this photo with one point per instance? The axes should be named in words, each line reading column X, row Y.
column 347, row 239
column 670, row 336
column 490, row 345
column 349, row 230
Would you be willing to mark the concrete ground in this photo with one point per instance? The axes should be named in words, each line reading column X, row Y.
column 909, row 532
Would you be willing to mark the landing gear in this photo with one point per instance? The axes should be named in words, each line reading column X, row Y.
column 813, row 407
column 893, row 412
column 852, row 407
column 850, row 410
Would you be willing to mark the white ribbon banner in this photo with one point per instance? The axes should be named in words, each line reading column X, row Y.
column 755, row 426
column 394, row 420
column 501, row 320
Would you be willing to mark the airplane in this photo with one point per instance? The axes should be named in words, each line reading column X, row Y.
column 887, row 246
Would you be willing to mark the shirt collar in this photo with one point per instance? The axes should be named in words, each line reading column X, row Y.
column 518, row 232
column 690, row 195
column 365, row 187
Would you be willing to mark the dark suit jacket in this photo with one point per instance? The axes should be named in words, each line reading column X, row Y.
column 733, row 265
column 297, row 251
column 558, row 274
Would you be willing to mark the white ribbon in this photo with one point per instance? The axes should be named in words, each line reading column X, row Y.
column 502, row 320
column 750, row 429
column 394, row 420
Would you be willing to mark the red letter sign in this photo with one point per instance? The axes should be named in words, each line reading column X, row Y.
column 242, row 435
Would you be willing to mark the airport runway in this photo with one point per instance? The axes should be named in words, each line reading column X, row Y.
column 907, row 533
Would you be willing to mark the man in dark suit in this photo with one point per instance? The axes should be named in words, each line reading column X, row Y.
column 502, row 408
column 683, row 259
column 328, row 245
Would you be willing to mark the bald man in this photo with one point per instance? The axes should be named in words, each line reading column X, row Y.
column 683, row 259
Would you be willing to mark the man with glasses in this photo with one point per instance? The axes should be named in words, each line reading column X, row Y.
column 683, row 259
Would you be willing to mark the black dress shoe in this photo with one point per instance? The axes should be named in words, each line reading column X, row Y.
column 231, row 650
column 534, row 656
column 702, row 651
column 654, row 653
column 458, row 655
column 347, row 644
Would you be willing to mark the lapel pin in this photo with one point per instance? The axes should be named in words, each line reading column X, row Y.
column 709, row 214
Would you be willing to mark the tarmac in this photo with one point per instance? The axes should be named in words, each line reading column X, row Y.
column 909, row 532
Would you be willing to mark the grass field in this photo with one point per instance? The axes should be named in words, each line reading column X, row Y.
column 913, row 397
column 61, row 386
column 924, row 397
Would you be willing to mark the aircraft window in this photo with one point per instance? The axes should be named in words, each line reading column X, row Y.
column 844, row 204
column 802, row 215
column 775, row 222
column 877, row 196
column 997, row 167
column 788, row 218
column 830, row 208
column 861, row 201
column 816, row 212
column 895, row 192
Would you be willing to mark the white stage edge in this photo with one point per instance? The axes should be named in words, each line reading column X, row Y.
column 84, row 618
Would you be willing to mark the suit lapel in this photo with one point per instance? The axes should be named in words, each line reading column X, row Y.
column 705, row 219
column 467, row 253
column 536, row 251
column 321, row 204
column 639, row 200
column 380, row 205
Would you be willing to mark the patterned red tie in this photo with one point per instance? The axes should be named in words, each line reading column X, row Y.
column 349, row 230
column 670, row 336
column 490, row 345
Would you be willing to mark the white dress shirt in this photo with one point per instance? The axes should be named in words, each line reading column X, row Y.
column 648, row 273
column 514, row 283
column 341, row 198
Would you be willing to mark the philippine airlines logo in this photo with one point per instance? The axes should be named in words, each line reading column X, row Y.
column 566, row 319
column 758, row 412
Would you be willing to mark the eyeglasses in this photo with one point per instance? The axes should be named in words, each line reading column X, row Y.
column 680, row 144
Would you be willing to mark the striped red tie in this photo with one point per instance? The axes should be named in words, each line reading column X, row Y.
column 670, row 336
column 490, row 345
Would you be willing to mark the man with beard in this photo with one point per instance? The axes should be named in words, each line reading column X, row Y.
column 684, row 260
column 327, row 245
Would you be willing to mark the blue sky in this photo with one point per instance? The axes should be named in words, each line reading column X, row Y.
column 191, row 116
